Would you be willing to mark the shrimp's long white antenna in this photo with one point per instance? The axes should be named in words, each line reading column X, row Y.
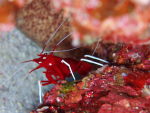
column 63, row 61
column 40, row 92
column 65, row 50
column 54, row 33
column 63, row 39
column 14, row 73
column 96, row 46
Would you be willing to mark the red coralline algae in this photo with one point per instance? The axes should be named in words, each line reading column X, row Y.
column 136, row 57
column 113, row 21
column 96, row 93
column 137, row 79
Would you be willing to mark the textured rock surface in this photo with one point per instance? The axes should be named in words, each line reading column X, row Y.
column 39, row 20
column 18, row 89
column 100, row 90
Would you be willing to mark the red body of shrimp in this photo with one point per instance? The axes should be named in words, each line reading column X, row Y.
column 54, row 67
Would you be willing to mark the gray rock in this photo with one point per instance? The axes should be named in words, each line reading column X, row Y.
column 18, row 88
